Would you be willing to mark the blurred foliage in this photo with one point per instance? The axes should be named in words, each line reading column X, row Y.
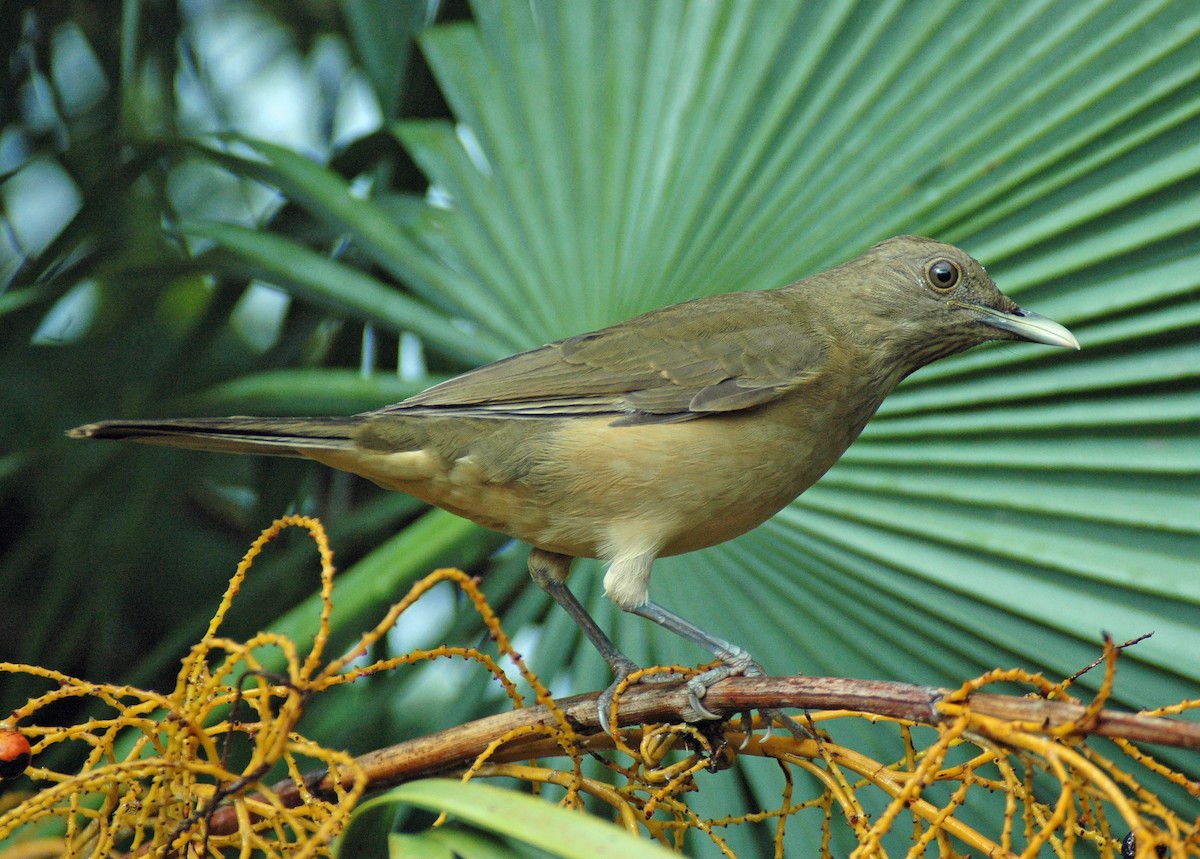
column 219, row 207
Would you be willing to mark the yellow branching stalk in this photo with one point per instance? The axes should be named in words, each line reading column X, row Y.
column 158, row 780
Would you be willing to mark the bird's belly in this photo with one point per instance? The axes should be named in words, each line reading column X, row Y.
column 584, row 488
column 672, row 488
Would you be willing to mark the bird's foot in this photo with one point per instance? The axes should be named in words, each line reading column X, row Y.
column 622, row 667
column 605, row 704
column 734, row 662
column 697, row 687
column 741, row 665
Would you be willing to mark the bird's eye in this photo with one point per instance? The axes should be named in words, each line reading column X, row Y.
column 943, row 274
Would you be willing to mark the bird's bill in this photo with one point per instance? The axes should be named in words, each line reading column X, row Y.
column 1028, row 326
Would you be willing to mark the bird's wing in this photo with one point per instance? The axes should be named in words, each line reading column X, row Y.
column 718, row 354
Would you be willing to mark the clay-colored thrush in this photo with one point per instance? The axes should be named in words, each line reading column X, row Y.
column 670, row 432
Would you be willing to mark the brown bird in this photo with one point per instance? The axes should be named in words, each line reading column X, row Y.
column 666, row 433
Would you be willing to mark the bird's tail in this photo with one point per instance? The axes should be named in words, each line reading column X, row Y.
column 264, row 436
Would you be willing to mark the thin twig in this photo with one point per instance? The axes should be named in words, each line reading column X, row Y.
column 1099, row 659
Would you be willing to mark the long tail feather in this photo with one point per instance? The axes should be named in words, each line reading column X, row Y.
column 264, row 436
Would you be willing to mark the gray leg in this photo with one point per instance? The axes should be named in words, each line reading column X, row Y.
column 736, row 661
column 549, row 570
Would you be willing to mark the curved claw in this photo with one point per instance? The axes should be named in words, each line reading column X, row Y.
column 800, row 732
column 698, row 686
column 696, row 689
column 622, row 668
column 740, row 664
column 604, row 707
column 746, row 722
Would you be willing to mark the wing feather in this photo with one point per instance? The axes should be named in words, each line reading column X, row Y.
column 719, row 354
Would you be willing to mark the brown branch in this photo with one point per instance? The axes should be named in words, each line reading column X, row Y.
column 454, row 749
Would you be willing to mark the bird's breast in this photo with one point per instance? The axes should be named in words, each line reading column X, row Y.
column 676, row 487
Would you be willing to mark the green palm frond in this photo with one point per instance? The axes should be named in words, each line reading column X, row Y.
column 605, row 158
column 633, row 155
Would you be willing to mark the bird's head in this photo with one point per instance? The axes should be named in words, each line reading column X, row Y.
column 935, row 300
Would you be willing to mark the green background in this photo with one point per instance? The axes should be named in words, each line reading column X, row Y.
column 534, row 170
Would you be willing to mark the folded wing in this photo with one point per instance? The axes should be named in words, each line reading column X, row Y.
column 668, row 365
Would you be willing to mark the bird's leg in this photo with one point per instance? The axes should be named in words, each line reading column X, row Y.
column 736, row 662
column 549, row 570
